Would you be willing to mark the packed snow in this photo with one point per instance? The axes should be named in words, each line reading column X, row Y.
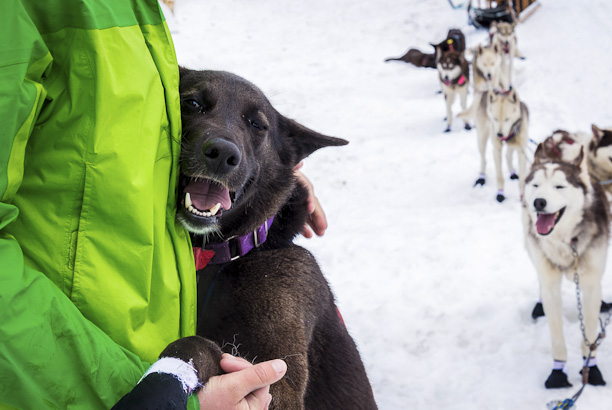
column 430, row 274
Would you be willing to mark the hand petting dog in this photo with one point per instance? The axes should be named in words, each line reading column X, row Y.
column 317, row 222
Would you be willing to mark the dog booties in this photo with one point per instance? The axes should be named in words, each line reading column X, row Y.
column 557, row 380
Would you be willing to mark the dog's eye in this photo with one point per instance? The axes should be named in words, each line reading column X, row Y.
column 257, row 125
column 559, row 187
column 535, row 185
column 194, row 105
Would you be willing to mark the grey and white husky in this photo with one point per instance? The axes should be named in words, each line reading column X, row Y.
column 567, row 227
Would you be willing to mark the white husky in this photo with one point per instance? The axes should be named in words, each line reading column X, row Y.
column 486, row 64
column 503, row 118
column 566, row 226
column 503, row 35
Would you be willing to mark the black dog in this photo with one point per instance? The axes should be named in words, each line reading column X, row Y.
column 260, row 295
column 455, row 41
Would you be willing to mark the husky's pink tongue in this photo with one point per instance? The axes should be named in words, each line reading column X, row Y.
column 204, row 195
column 545, row 223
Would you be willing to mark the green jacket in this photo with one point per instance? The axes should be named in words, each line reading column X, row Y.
column 95, row 276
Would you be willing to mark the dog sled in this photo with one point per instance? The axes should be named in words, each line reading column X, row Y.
column 481, row 13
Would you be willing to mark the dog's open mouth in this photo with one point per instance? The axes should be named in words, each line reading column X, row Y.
column 546, row 222
column 205, row 198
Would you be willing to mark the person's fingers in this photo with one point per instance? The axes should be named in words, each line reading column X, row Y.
column 308, row 185
column 306, row 231
column 231, row 364
column 317, row 220
column 256, row 377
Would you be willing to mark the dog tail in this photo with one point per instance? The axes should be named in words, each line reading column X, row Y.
column 393, row 59
column 470, row 113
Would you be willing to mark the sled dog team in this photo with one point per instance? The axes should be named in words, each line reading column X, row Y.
column 565, row 194
column 498, row 113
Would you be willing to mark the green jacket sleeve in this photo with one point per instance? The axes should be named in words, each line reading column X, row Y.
column 50, row 355
column 69, row 337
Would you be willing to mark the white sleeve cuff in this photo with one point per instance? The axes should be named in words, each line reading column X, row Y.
column 184, row 372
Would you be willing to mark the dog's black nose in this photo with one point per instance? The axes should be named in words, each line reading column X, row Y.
column 499, row 134
column 539, row 204
column 221, row 156
column 489, row 76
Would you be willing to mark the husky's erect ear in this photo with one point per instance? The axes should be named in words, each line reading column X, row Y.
column 578, row 160
column 512, row 96
column 540, row 154
column 306, row 141
column 597, row 134
column 438, row 52
column 491, row 96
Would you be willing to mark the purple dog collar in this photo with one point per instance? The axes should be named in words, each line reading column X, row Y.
column 238, row 246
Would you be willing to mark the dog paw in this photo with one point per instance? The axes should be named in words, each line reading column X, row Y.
column 595, row 377
column 557, row 380
column 480, row 181
column 605, row 307
column 500, row 198
column 538, row 311
column 467, row 127
column 513, row 175
column 448, row 129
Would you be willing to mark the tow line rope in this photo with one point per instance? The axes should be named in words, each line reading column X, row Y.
column 569, row 403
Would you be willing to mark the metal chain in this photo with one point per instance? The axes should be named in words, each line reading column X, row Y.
column 603, row 325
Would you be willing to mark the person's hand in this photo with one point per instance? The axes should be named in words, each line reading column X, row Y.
column 244, row 387
column 317, row 222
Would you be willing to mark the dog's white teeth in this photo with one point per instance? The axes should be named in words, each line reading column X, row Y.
column 188, row 203
column 215, row 209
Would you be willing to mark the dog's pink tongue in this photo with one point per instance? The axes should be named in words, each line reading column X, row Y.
column 545, row 223
column 204, row 195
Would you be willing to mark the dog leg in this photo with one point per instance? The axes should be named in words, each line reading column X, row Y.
column 551, row 299
column 522, row 170
column 509, row 153
column 463, row 97
column 590, row 286
column 449, row 96
column 497, row 147
column 483, row 137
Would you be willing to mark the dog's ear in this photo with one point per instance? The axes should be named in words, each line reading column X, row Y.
column 306, row 141
column 491, row 96
column 578, row 160
column 597, row 134
column 512, row 96
column 541, row 153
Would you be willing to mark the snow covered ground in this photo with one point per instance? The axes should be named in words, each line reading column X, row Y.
column 430, row 274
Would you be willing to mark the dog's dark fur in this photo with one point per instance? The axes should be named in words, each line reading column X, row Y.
column 273, row 302
column 455, row 39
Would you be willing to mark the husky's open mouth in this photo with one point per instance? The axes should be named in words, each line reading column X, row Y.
column 546, row 222
column 204, row 198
